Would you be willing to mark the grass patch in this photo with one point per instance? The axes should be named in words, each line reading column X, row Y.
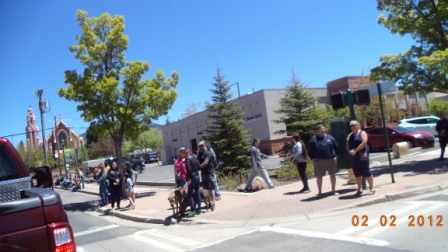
column 289, row 170
column 231, row 181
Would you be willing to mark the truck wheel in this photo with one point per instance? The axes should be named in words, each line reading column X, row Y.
column 138, row 168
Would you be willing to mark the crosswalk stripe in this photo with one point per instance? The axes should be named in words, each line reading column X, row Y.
column 361, row 240
column 401, row 220
column 171, row 238
column 156, row 243
column 372, row 222
column 94, row 230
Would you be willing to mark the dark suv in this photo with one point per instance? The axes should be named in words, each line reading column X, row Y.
column 137, row 164
column 150, row 157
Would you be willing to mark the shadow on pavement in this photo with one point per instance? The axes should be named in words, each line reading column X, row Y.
column 414, row 168
column 82, row 206
column 144, row 194
column 330, row 194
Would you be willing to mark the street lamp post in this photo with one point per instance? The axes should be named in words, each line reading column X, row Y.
column 63, row 154
column 238, row 85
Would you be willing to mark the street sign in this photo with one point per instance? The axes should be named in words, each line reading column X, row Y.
column 386, row 87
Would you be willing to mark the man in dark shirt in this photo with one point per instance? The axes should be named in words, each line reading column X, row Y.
column 207, row 171
column 442, row 130
column 323, row 150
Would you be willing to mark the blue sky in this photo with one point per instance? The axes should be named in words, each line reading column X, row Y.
column 256, row 43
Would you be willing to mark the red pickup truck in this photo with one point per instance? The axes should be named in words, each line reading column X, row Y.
column 31, row 219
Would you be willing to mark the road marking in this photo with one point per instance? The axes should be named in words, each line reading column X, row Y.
column 222, row 240
column 374, row 221
column 154, row 242
column 171, row 238
column 95, row 230
column 432, row 202
column 401, row 220
column 361, row 240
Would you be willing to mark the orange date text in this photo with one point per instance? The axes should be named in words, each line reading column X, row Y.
column 391, row 220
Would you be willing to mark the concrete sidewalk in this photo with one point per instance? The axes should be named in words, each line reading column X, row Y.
column 415, row 174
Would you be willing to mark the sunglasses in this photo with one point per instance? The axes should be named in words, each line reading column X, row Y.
column 201, row 145
column 352, row 125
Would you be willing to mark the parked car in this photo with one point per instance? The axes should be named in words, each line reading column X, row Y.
column 150, row 157
column 396, row 134
column 137, row 164
column 423, row 123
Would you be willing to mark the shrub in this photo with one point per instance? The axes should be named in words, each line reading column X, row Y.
column 230, row 181
column 289, row 170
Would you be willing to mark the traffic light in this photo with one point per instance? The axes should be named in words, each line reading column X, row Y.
column 362, row 97
column 338, row 100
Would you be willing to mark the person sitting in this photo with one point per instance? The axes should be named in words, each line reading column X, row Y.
column 67, row 182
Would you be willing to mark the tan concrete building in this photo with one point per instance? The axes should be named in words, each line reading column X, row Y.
column 259, row 112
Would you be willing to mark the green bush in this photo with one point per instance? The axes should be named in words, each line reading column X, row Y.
column 230, row 181
column 289, row 170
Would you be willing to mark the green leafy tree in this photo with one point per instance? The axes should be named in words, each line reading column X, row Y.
column 424, row 66
column 372, row 116
column 91, row 136
column 298, row 113
column 103, row 148
column 110, row 91
column 83, row 154
column 437, row 107
column 192, row 109
column 33, row 157
column 151, row 138
column 225, row 131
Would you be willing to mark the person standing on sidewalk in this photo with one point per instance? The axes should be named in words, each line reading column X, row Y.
column 129, row 185
column 207, row 171
column 102, row 181
column 133, row 176
column 215, row 165
column 257, row 167
column 192, row 165
column 181, row 170
column 442, row 130
column 80, row 175
column 359, row 156
column 300, row 156
column 323, row 150
column 115, row 177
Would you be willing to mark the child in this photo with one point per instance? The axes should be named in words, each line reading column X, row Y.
column 129, row 190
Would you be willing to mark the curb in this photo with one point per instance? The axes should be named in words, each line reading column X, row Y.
column 397, row 196
column 146, row 219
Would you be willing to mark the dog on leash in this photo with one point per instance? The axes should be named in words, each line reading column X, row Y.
column 185, row 203
column 176, row 198
column 205, row 196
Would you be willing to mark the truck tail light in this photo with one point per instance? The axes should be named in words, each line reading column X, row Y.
column 63, row 239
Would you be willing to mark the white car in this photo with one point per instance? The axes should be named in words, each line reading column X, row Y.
column 423, row 123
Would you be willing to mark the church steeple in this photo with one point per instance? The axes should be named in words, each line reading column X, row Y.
column 32, row 131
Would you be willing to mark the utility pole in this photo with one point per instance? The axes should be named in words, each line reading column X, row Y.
column 56, row 140
column 238, row 85
column 39, row 93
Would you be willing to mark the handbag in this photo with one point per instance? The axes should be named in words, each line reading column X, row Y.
column 362, row 154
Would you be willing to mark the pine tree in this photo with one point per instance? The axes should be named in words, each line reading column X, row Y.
column 225, row 130
column 297, row 111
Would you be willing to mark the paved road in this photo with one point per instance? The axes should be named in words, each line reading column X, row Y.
column 332, row 231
